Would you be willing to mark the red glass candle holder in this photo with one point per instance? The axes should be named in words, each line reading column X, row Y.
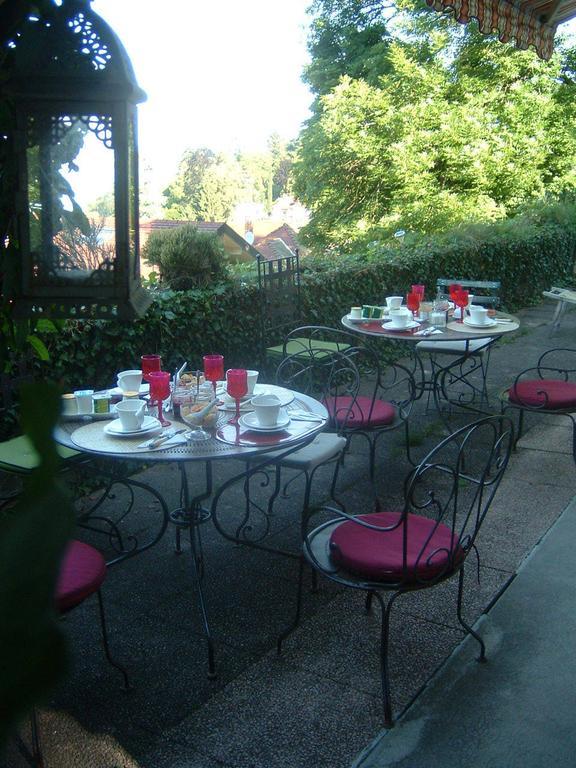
column 461, row 300
column 237, row 387
column 213, row 369
column 413, row 302
column 159, row 391
column 149, row 364
column 419, row 288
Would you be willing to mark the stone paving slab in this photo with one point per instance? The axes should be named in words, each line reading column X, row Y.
column 518, row 709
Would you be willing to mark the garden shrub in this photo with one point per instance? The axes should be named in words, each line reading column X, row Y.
column 528, row 255
column 186, row 257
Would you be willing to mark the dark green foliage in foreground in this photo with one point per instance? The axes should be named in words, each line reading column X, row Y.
column 527, row 254
column 33, row 535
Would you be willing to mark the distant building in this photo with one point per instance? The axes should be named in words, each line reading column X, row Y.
column 278, row 243
column 235, row 246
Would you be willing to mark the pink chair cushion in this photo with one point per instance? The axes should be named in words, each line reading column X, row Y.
column 360, row 415
column 559, row 395
column 379, row 556
column 82, row 572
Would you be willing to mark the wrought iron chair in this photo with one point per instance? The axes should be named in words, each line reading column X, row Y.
column 320, row 377
column 476, row 351
column 17, row 455
column 385, row 397
column 389, row 553
column 548, row 388
column 325, row 378
column 280, row 307
column 82, row 573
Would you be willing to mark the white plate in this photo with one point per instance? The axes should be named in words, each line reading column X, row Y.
column 144, row 389
column 148, row 425
column 251, row 421
column 409, row 325
column 489, row 324
column 358, row 319
column 284, row 395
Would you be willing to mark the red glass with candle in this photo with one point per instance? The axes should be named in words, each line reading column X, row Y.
column 213, row 369
column 150, row 363
column 159, row 391
column 237, row 387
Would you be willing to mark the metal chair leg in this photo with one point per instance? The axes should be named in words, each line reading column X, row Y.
column 111, row 660
column 296, row 620
column 461, row 620
column 384, row 662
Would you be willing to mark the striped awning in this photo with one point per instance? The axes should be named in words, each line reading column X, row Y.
column 531, row 23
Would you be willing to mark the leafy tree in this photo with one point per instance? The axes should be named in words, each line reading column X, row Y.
column 103, row 205
column 455, row 127
column 209, row 185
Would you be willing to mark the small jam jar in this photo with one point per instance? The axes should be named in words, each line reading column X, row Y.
column 101, row 403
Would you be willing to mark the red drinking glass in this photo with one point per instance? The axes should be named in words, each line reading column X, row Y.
column 419, row 289
column 413, row 302
column 213, row 369
column 461, row 300
column 237, row 387
column 159, row 391
column 453, row 289
column 150, row 363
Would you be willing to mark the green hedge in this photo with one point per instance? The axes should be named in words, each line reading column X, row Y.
column 527, row 256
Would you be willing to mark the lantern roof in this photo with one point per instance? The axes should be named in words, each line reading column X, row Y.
column 63, row 50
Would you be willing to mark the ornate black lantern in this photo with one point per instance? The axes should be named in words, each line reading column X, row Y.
column 71, row 94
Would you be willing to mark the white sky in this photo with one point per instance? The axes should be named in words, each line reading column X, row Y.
column 218, row 73
column 222, row 74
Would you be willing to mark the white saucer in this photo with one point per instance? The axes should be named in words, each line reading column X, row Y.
column 148, row 425
column 284, row 395
column 488, row 324
column 250, row 420
column 409, row 325
column 358, row 319
column 144, row 389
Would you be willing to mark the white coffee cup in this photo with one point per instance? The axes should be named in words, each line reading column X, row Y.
column 394, row 302
column 399, row 317
column 478, row 315
column 129, row 381
column 251, row 378
column 131, row 414
column 83, row 401
column 356, row 313
column 267, row 409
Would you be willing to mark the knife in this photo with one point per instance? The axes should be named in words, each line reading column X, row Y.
column 155, row 442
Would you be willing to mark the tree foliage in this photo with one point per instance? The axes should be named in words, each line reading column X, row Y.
column 208, row 185
column 428, row 125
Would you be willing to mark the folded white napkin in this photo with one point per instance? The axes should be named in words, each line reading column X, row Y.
column 427, row 332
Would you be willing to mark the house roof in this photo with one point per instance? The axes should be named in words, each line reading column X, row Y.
column 275, row 248
column 210, row 227
column 154, row 225
column 279, row 243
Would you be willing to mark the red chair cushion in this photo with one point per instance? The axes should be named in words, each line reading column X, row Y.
column 379, row 556
column 559, row 395
column 360, row 415
column 82, row 572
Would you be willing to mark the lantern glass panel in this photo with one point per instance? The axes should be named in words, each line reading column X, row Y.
column 70, row 183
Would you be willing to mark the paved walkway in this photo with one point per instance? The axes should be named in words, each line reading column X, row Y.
column 319, row 705
column 518, row 709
